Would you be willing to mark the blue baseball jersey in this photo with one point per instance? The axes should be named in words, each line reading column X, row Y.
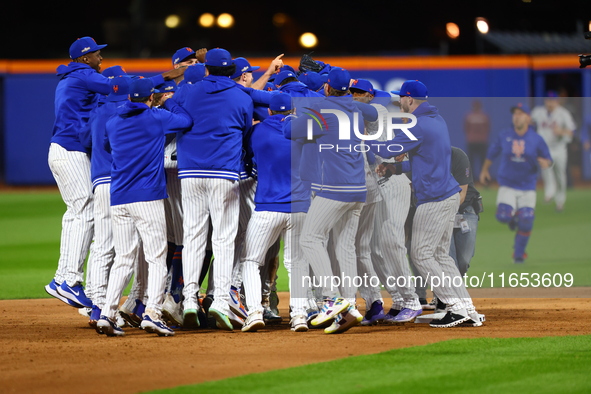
column 518, row 168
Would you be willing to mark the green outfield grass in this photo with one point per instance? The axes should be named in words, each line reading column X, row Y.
column 484, row 365
column 30, row 225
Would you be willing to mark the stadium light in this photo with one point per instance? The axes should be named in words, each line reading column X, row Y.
column 206, row 20
column 225, row 21
column 172, row 21
column 452, row 30
column 482, row 25
column 308, row 40
column 279, row 19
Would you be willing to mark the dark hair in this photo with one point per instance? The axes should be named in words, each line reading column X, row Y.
column 355, row 90
column 333, row 92
column 290, row 111
column 139, row 99
column 288, row 80
column 221, row 71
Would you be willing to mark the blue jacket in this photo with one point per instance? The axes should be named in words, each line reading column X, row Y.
column 279, row 188
column 222, row 114
column 519, row 166
column 93, row 135
column 337, row 166
column 429, row 156
column 135, row 137
column 75, row 97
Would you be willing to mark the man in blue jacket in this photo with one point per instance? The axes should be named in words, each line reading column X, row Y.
column 135, row 137
column 281, row 203
column 340, row 192
column 210, row 161
column 438, row 200
column 77, row 93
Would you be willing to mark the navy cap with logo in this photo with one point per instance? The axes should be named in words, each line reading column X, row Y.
column 339, row 79
column 166, row 87
column 84, row 45
column 119, row 88
column 142, row 87
column 363, row 84
column 218, row 57
column 312, row 80
column 282, row 76
column 412, row 88
column 114, row 71
column 182, row 55
column 280, row 102
column 243, row 66
column 524, row 107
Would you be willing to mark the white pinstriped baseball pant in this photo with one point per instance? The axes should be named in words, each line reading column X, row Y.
column 263, row 230
column 390, row 260
column 103, row 250
column 342, row 218
column 219, row 199
column 139, row 221
column 174, row 207
column 71, row 171
column 432, row 228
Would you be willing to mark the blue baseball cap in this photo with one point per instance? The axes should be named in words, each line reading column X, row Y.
column 166, row 87
column 182, row 54
column 269, row 87
column 119, row 88
column 218, row 57
column 339, row 79
column 312, row 80
column 84, row 45
column 114, row 71
column 381, row 97
column 194, row 73
column 142, row 87
column 280, row 102
column 282, row 76
column 412, row 88
column 524, row 107
column 243, row 66
column 363, row 84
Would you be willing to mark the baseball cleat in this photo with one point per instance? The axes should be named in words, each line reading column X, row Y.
column 237, row 321
column 475, row 320
column 350, row 318
column 299, row 324
column 374, row 314
column 254, row 321
column 330, row 309
column 190, row 319
column 274, row 302
column 95, row 315
column 427, row 306
column 172, row 310
column 407, row 315
column 51, row 289
column 154, row 325
column 221, row 319
column 130, row 318
column 389, row 318
column 108, row 327
column 451, row 319
column 270, row 317
column 236, row 305
column 75, row 293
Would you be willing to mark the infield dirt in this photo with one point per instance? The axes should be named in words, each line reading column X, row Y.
column 47, row 347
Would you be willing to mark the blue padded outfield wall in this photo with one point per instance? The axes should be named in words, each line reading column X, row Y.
column 28, row 108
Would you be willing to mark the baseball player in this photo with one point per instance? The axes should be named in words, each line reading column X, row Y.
column 209, row 167
column 338, row 180
column 76, row 95
column 279, row 212
column 136, row 137
column 556, row 125
column 437, row 201
column 92, row 137
column 185, row 57
column 522, row 152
